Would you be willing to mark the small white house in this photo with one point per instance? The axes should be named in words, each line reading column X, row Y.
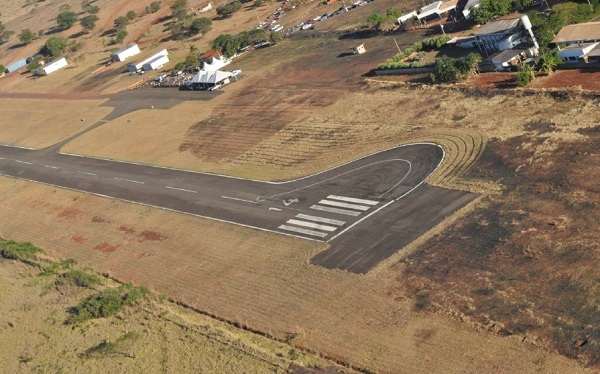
column 52, row 66
column 156, row 63
column 205, row 7
column 405, row 17
column 125, row 52
column 573, row 52
column 359, row 50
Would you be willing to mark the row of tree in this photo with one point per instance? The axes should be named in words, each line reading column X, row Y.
column 229, row 45
column 386, row 22
column 186, row 24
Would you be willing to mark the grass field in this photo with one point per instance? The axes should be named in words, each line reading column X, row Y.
column 45, row 122
column 153, row 336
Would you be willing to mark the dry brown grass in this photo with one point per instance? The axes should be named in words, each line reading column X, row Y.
column 41, row 123
column 154, row 336
column 259, row 280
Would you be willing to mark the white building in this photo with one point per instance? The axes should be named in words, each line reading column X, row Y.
column 52, row 66
column 146, row 63
column 405, row 17
column 574, row 53
column 125, row 52
column 156, row 63
column 471, row 4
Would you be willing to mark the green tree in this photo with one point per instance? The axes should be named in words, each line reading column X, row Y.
column 548, row 63
column 131, row 15
column 2, row 69
column 66, row 19
column 525, row 76
column 201, row 26
column 55, row 46
column 445, row 71
column 89, row 22
column 26, row 36
column 228, row 9
column 5, row 35
column 393, row 13
column 179, row 4
column 154, row 7
column 275, row 37
column 121, row 22
column 375, row 19
column 121, row 35
column 87, row 6
column 32, row 66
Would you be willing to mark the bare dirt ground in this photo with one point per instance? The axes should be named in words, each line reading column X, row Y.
column 561, row 79
column 261, row 281
column 156, row 335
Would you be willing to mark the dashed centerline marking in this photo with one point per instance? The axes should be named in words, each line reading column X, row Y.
column 238, row 199
column 128, row 180
column 24, row 162
column 181, row 189
column 85, row 172
column 50, row 167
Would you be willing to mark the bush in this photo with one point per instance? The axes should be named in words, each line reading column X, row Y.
column 228, row 9
column 66, row 19
column 435, row 43
column 81, row 278
column 55, row 46
column 131, row 15
column 106, row 303
column 19, row 251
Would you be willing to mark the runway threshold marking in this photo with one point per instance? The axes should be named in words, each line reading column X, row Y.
column 344, row 205
column 238, row 199
column 303, row 231
column 320, row 219
column 181, row 189
column 353, row 200
column 312, row 225
column 335, row 210
column 128, row 180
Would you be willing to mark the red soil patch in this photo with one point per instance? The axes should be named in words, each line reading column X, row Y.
column 70, row 214
column 494, row 80
column 585, row 79
column 106, row 248
column 127, row 230
column 78, row 239
column 150, row 236
column 97, row 219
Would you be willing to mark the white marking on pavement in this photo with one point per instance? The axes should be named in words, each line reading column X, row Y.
column 85, row 172
column 335, row 210
column 321, row 219
column 181, row 189
column 303, row 231
column 353, row 200
column 50, row 167
column 275, row 209
column 128, row 180
column 344, row 205
column 311, row 225
column 24, row 162
column 401, row 180
column 238, row 199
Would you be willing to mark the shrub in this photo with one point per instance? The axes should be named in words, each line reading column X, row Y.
column 106, row 303
column 81, row 278
column 19, row 251
column 66, row 19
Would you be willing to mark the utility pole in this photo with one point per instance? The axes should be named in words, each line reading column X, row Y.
column 399, row 51
column 442, row 27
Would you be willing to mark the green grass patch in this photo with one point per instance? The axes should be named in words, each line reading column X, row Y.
column 19, row 251
column 81, row 278
column 119, row 346
column 106, row 303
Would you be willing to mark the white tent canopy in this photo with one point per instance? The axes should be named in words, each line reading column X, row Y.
column 216, row 63
column 210, row 77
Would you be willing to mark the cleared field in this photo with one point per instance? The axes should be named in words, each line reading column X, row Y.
column 261, row 281
column 41, row 123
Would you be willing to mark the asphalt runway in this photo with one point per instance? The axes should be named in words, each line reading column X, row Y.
column 367, row 209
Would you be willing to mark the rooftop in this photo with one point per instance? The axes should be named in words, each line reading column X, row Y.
column 498, row 26
column 507, row 55
column 577, row 46
column 578, row 32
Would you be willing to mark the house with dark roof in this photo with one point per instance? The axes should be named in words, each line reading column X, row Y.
column 500, row 35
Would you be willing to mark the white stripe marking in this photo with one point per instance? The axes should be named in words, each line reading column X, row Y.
column 238, row 199
column 321, row 219
column 85, row 172
column 24, row 162
column 275, row 209
column 335, row 210
column 128, row 180
column 50, row 167
column 353, row 200
column 303, row 231
column 181, row 189
column 311, row 225
column 344, row 205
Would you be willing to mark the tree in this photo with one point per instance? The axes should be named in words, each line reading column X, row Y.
column 489, row 9
column 86, row 6
column 179, row 4
column 32, row 66
column 121, row 35
column 201, row 26
column 229, row 8
column 549, row 62
column 445, row 71
column 5, row 35
column 89, row 22
column 525, row 76
column 275, row 37
column 130, row 15
column 393, row 13
column 375, row 19
column 2, row 69
column 55, row 46
column 66, row 19
column 26, row 36
column 121, row 22
column 153, row 7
